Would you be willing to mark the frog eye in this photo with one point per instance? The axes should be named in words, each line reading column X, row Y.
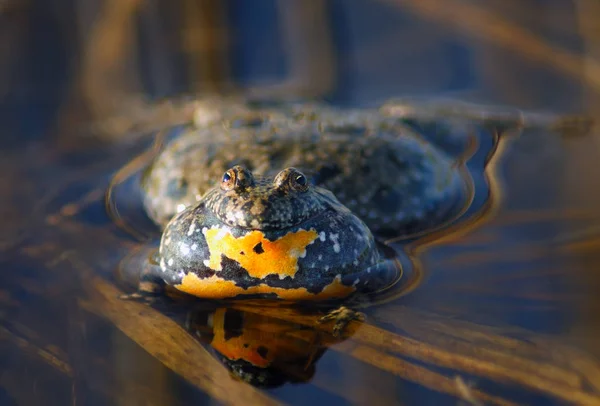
column 291, row 179
column 228, row 180
column 300, row 180
column 237, row 177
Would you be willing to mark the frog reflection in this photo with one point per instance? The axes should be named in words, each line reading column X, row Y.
column 262, row 350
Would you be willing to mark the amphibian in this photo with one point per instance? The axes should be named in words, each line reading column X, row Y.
column 281, row 200
column 275, row 237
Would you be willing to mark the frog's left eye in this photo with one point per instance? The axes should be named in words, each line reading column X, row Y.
column 291, row 179
column 298, row 181
column 301, row 180
column 237, row 178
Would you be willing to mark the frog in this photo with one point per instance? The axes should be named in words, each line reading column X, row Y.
column 258, row 347
column 282, row 200
column 271, row 237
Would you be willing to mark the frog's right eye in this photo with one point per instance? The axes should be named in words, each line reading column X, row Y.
column 228, row 180
column 237, row 177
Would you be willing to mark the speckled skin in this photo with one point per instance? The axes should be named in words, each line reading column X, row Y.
column 385, row 173
column 275, row 237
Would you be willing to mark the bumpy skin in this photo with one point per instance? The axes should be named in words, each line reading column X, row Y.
column 372, row 162
column 275, row 237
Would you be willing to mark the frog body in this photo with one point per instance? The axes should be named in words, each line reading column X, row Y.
column 276, row 237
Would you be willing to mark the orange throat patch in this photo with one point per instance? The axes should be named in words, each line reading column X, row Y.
column 258, row 255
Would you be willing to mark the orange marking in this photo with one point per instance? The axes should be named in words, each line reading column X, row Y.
column 217, row 288
column 279, row 257
column 237, row 347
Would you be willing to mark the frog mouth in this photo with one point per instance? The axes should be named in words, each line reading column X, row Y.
column 271, row 222
column 274, row 224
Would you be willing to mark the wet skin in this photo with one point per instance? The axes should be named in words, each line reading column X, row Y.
column 275, row 237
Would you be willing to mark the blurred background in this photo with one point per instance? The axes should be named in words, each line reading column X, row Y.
column 83, row 76
column 66, row 61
